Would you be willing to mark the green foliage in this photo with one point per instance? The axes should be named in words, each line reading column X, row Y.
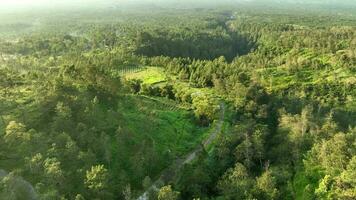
column 208, row 43
column 15, row 188
column 334, row 157
column 267, row 184
column 98, row 104
column 205, row 108
column 166, row 193
column 16, row 134
column 96, row 178
column 236, row 183
column 150, row 75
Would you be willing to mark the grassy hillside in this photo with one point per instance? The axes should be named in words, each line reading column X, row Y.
column 148, row 75
column 248, row 102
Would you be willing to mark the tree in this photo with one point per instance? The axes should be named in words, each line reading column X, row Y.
column 333, row 154
column 53, row 170
column 335, row 161
column 298, row 129
column 16, row 133
column 147, row 182
column 244, row 152
column 267, row 184
column 127, row 192
column 134, row 85
column 236, row 183
column 6, row 81
column 345, row 187
column 97, row 178
column 205, row 108
column 250, row 151
column 13, row 187
column 194, row 179
column 35, row 163
column 79, row 197
column 166, row 193
column 18, row 138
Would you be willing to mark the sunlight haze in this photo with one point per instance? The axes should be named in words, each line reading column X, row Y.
column 177, row 99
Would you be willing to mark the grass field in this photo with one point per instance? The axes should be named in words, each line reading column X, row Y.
column 158, row 123
column 278, row 78
column 149, row 75
column 170, row 127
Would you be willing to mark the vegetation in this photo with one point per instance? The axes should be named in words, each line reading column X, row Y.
column 235, row 102
column 149, row 75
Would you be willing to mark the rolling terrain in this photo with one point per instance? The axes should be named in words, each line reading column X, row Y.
column 178, row 100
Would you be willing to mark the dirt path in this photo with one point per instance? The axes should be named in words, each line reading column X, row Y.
column 169, row 173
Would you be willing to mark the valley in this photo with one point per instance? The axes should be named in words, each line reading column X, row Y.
column 178, row 100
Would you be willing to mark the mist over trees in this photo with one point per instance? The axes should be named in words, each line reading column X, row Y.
column 178, row 100
column 91, row 4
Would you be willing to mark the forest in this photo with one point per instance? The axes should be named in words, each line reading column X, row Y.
column 164, row 102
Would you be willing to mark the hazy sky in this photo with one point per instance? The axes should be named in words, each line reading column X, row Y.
column 21, row 2
column 82, row 3
column 34, row 2
column 31, row 3
column 41, row 2
column 54, row 3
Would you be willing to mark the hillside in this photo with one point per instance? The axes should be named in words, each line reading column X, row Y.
column 208, row 102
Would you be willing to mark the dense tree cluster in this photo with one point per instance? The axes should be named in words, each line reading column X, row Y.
column 207, row 44
column 287, row 80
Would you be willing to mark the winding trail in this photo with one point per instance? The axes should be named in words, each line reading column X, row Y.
column 169, row 173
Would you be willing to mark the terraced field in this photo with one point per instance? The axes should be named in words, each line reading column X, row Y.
column 149, row 75
column 130, row 69
column 159, row 122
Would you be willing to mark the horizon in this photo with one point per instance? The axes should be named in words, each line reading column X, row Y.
column 83, row 3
